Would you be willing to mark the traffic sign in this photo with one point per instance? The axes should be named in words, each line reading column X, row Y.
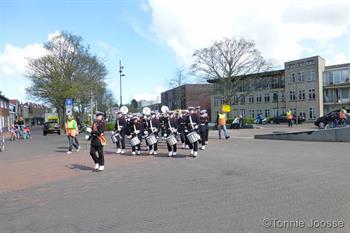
column 226, row 108
column 68, row 102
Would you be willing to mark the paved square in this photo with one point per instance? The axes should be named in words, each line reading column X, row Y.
column 233, row 186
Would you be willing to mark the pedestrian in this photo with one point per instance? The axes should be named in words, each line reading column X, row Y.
column 98, row 141
column 290, row 118
column 221, row 121
column 72, row 131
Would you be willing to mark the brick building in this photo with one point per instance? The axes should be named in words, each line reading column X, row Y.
column 4, row 113
column 188, row 95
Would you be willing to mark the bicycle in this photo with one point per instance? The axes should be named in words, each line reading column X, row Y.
column 2, row 141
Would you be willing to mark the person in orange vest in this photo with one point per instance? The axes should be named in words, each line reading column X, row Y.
column 72, row 132
column 221, row 122
column 290, row 118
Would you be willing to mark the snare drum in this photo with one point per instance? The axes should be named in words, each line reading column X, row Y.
column 151, row 139
column 193, row 137
column 116, row 138
column 135, row 141
column 171, row 140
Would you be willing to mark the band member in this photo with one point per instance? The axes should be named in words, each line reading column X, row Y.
column 203, row 119
column 192, row 122
column 120, row 127
column 206, row 129
column 98, row 141
column 181, row 123
column 152, row 125
column 171, row 128
column 198, row 110
column 162, row 118
column 136, row 130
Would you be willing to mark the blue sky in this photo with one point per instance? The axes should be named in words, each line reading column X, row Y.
column 153, row 37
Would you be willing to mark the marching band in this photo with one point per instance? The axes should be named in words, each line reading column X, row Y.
column 189, row 127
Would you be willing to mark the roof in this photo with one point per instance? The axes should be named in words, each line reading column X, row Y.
column 4, row 98
column 254, row 75
column 337, row 66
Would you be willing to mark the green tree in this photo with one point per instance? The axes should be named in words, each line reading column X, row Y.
column 67, row 70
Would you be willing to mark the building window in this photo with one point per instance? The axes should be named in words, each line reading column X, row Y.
column 218, row 101
column 259, row 111
column 251, row 99
column 267, row 98
column 311, row 76
column 301, row 95
column 275, row 97
column 312, row 114
column 258, row 98
column 251, row 113
column 293, row 78
column 282, row 97
column 292, row 96
column 301, row 76
column 312, row 94
column 242, row 99
column 267, row 112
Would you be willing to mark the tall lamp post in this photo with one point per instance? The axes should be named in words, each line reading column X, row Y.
column 120, row 76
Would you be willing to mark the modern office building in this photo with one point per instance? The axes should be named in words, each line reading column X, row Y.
column 305, row 86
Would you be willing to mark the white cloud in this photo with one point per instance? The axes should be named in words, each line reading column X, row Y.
column 152, row 94
column 53, row 35
column 340, row 58
column 276, row 26
column 14, row 60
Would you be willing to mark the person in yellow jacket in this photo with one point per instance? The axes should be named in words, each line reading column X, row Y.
column 221, row 123
column 72, row 131
column 290, row 118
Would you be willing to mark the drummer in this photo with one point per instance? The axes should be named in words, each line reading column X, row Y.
column 192, row 122
column 171, row 126
column 152, row 125
column 136, row 129
column 120, row 127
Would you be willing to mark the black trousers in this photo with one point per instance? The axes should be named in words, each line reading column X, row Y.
column 193, row 146
column 171, row 148
column 122, row 142
column 203, row 133
column 94, row 150
column 207, row 132
column 182, row 137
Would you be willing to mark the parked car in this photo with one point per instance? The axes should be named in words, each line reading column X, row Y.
column 283, row 119
column 51, row 127
column 328, row 118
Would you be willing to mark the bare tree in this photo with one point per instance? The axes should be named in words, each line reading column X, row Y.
column 180, row 78
column 227, row 63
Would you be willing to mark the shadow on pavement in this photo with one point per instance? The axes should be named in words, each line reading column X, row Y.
column 80, row 167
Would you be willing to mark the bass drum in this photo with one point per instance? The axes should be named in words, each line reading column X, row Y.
column 135, row 141
column 151, row 139
column 193, row 137
column 171, row 140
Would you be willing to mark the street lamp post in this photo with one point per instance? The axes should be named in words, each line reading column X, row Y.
column 120, row 77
